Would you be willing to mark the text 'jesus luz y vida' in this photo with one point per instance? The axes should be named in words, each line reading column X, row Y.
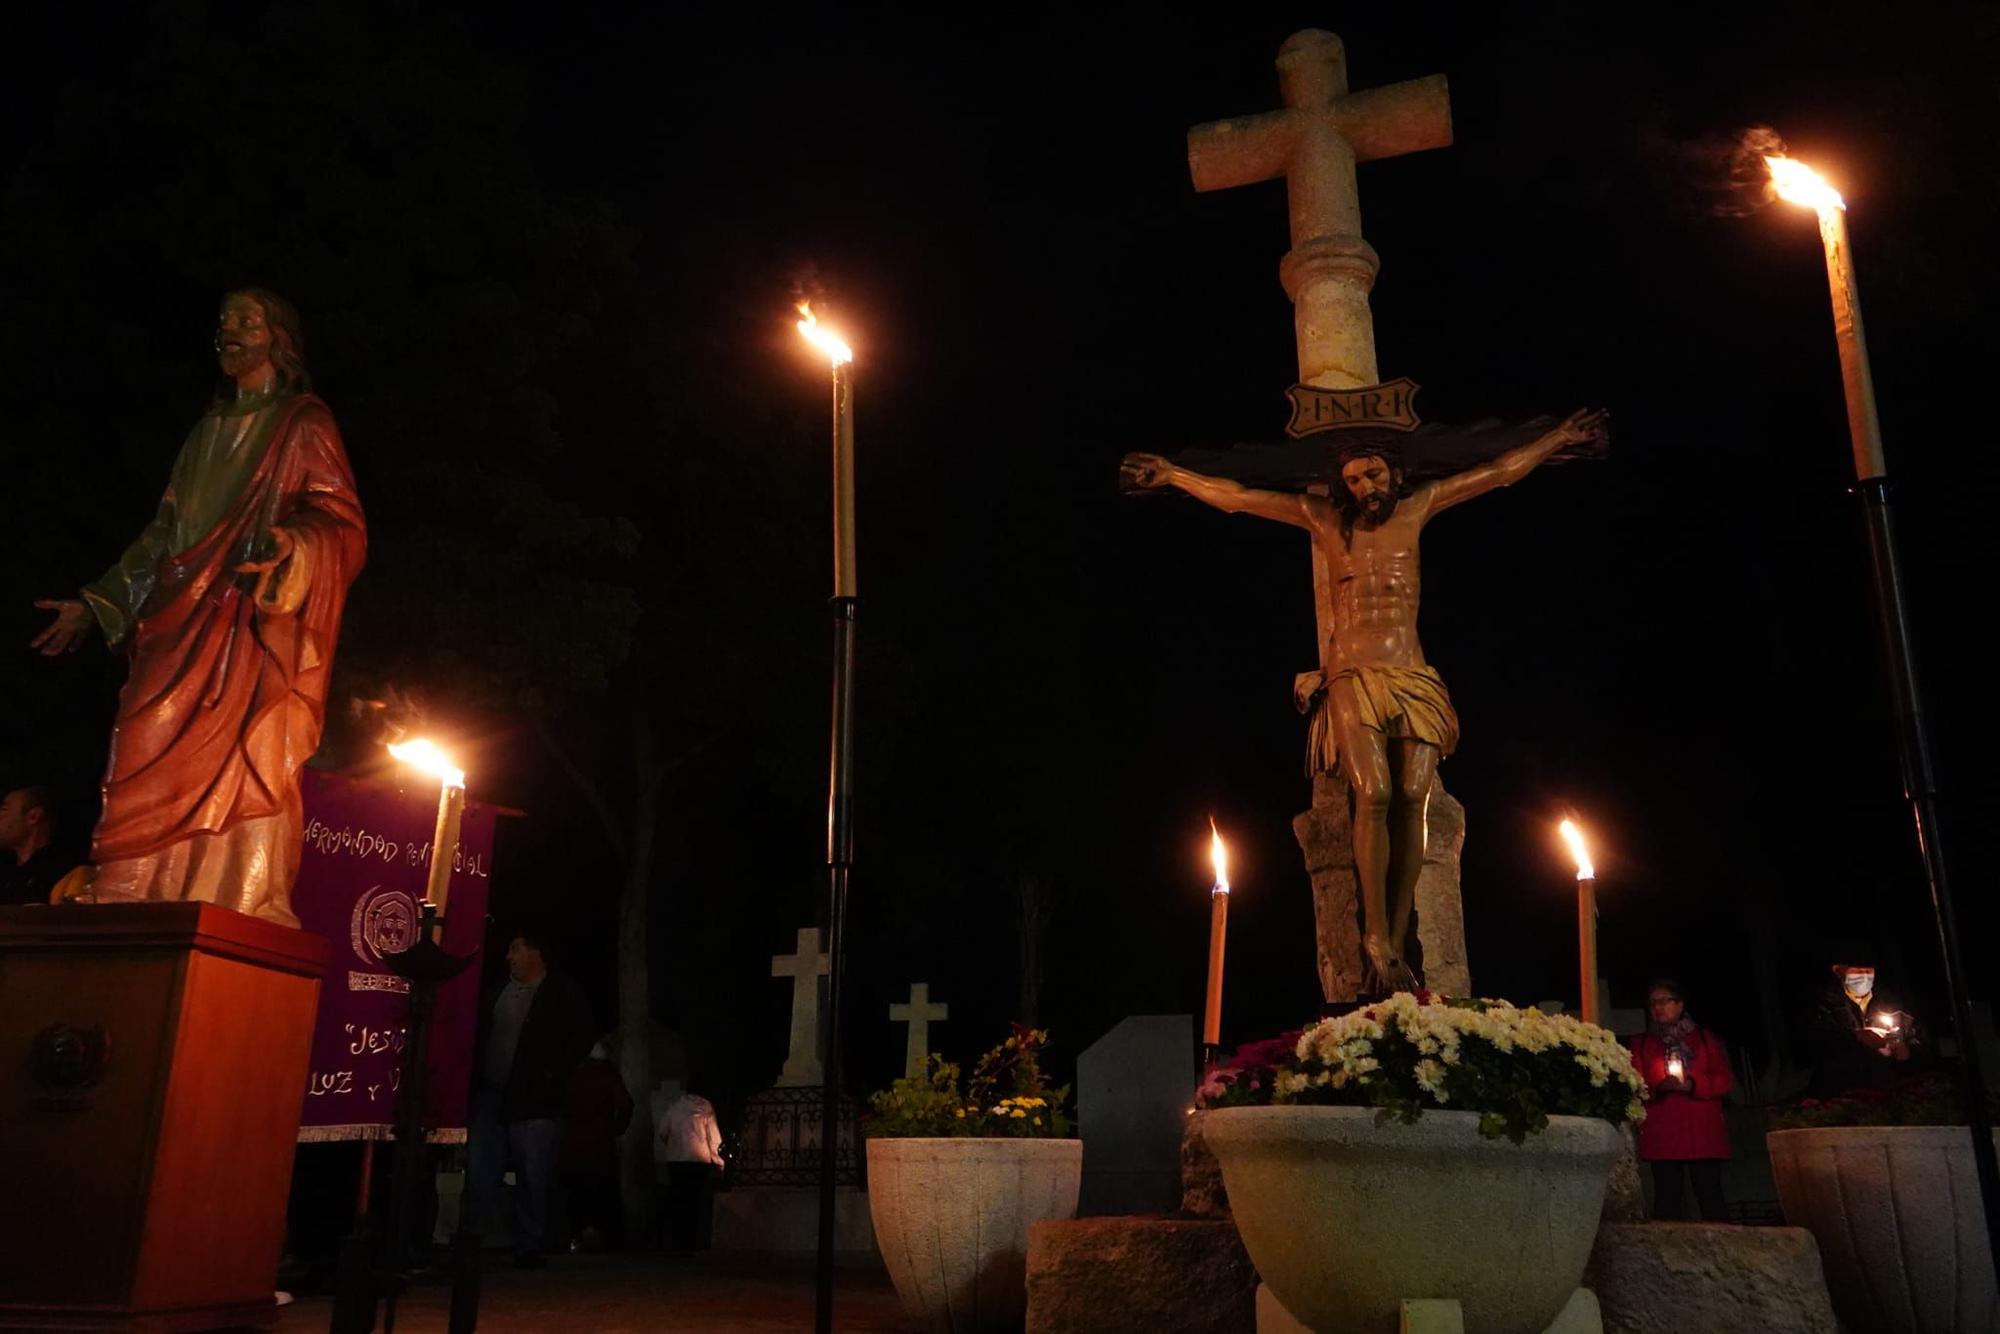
column 327, row 841
column 342, row 1081
column 366, row 1042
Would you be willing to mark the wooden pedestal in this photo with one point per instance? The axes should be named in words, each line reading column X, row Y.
column 152, row 1065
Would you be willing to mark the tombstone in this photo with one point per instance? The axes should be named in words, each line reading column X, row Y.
column 919, row 1014
column 770, row 1200
column 803, row 1067
column 1134, row 1086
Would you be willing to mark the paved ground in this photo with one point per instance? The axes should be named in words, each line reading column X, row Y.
column 639, row 1293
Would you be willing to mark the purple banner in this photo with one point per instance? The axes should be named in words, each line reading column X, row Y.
column 367, row 856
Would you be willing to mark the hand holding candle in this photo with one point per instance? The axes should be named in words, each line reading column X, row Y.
column 1218, row 931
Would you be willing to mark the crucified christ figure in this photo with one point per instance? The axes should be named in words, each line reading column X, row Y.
column 1381, row 710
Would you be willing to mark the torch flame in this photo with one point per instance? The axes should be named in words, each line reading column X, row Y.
column 1796, row 183
column 425, row 757
column 1218, row 853
column 1574, row 837
column 838, row 352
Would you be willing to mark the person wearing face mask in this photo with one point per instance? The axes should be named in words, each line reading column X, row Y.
column 1859, row 1037
column 1687, row 1072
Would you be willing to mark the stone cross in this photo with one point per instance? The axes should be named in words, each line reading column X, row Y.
column 918, row 1014
column 802, row 1063
column 1314, row 143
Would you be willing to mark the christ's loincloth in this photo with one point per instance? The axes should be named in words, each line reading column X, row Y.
column 1395, row 701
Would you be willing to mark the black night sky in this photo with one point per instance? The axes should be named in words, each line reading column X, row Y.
column 546, row 255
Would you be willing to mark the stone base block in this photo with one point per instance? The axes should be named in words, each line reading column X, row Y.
column 1664, row 1278
column 1202, row 1191
column 1184, row 1275
column 1430, row 1315
column 1624, row 1196
column 785, row 1220
column 1273, row 1318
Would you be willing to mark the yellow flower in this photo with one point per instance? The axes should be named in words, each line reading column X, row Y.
column 1038, row 1120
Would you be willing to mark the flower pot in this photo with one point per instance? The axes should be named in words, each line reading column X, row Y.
column 1345, row 1215
column 951, row 1219
column 1896, row 1212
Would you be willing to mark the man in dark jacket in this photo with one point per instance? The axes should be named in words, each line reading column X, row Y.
column 1860, row 1038
column 30, row 861
column 535, row 1030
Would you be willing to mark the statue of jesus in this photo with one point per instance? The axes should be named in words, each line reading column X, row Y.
column 1381, row 714
column 229, row 604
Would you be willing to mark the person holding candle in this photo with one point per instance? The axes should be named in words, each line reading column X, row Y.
column 1687, row 1072
column 1860, row 1038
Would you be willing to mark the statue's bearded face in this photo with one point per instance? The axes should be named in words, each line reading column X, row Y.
column 1373, row 484
column 242, row 337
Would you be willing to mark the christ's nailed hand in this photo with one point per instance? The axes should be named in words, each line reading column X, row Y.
column 66, row 633
column 1581, row 425
column 1145, row 471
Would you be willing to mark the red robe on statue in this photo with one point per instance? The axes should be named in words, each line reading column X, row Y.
column 229, row 671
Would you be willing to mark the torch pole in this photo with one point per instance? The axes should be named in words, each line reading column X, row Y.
column 1893, row 622
column 839, row 823
column 1586, row 945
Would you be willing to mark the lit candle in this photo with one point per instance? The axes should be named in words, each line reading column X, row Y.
column 1586, row 917
column 841, row 356
column 1796, row 183
column 1218, row 932
column 1675, row 1070
column 425, row 757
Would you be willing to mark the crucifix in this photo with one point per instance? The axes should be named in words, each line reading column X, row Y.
column 1315, row 142
column 1381, row 716
column 919, row 1014
column 805, row 968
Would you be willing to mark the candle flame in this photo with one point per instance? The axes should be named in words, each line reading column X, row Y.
column 1218, row 853
column 1796, row 183
column 837, row 352
column 1574, row 837
column 424, row 756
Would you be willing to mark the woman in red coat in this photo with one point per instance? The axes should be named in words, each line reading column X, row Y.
column 1686, row 1069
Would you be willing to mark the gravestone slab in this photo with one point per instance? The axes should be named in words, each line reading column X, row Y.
column 1133, row 1089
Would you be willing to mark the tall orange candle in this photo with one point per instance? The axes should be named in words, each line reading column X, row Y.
column 427, row 758
column 1586, row 919
column 1218, row 935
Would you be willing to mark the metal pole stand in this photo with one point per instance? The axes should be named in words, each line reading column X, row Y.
column 363, row 1282
column 1920, row 789
column 839, row 863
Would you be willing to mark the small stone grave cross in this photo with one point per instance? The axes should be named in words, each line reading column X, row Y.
column 802, row 1063
column 919, row 1014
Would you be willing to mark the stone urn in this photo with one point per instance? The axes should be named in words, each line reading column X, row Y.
column 1345, row 1216
column 1896, row 1212
column 951, row 1219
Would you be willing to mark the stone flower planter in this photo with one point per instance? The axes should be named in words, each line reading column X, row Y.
column 1345, row 1217
column 951, row 1219
column 1895, row 1210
